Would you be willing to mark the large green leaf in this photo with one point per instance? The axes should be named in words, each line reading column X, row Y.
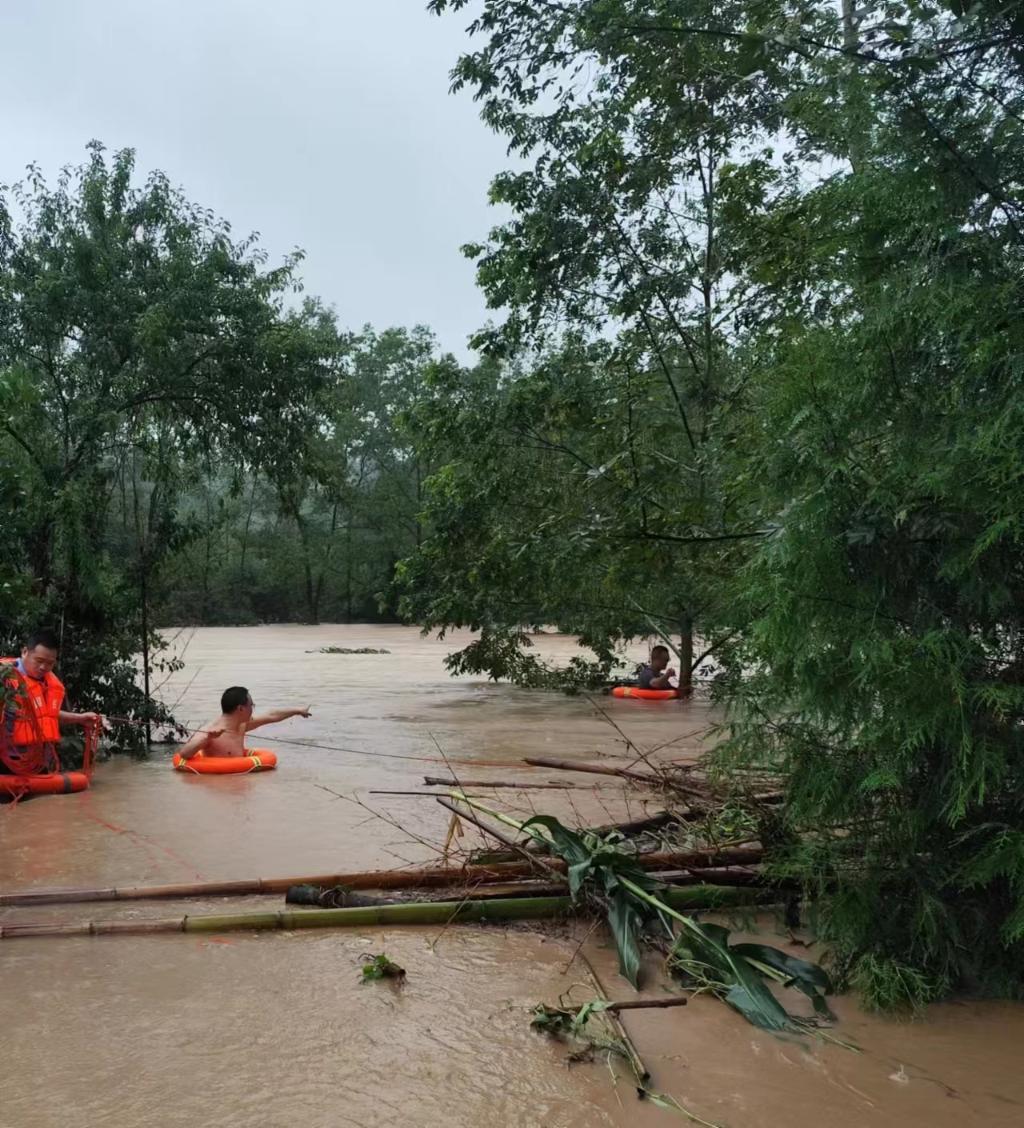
column 807, row 977
column 736, row 973
column 625, row 922
column 578, row 874
column 792, row 967
column 758, row 1006
column 567, row 843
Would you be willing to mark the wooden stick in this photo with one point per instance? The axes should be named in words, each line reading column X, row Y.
column 634, row 1004
column 421, row 794
column 636, row 826
column 645, row 1004
column 425, row 878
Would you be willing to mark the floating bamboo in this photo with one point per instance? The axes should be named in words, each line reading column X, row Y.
column 426, row 878
column 632, row 827
column 440, row 781
column 420, row 913
column 635, row 826
column 594, row 769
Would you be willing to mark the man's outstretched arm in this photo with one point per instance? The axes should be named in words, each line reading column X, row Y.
column 274, row 716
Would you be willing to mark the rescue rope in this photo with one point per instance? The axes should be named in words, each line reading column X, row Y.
column 302, row 744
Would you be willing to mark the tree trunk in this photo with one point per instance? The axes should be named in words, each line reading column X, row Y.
column 853, row 90
column 348, row 570
column 245, row 534
column 294, row 509
column 204, row 599
column 686, row 656
column 142, row 543
column 318, row 590
column 307, row 569
column 144, row 602
column 419, row 504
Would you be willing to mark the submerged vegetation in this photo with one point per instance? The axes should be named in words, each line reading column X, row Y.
column 700, row 954
column 381, row 967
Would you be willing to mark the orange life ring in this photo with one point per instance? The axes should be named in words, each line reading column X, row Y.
column 644, row 694
column 256, row 760
column 54, row 783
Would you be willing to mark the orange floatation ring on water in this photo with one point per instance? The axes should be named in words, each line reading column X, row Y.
column 257, row 760
column 54, row 783
column 644, row 694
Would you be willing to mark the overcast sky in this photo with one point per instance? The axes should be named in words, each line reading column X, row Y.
column 322, row 124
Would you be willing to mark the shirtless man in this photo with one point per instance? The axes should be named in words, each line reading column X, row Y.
column 226, row 735
column 657, row 673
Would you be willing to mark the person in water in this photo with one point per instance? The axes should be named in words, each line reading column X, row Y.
column 34, row 712
column 656, row 673
column 226, row 735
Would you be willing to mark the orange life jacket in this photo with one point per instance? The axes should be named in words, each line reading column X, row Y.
column 34, row 716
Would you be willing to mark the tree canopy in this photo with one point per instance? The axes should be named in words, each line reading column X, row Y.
column 807, row 219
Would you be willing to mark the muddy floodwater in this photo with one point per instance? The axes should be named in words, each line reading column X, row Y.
column 275, row 1029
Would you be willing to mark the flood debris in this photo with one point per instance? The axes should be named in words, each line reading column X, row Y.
column 381, row 967
column 639, row 913
column 348, row 650
column 332, row 897
column 572, row 1024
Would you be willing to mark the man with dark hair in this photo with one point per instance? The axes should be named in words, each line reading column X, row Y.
column 32, row 715
column 656, row 673
column 226, row 735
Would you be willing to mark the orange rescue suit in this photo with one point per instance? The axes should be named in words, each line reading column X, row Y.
column 36, row 707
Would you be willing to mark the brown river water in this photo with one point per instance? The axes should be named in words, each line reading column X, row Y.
column 274, row 1029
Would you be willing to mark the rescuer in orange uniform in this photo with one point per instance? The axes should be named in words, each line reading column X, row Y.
column 32, row 714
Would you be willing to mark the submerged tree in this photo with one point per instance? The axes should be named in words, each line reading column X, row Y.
column 550, row 508
column 865, row 427
column 621, row 256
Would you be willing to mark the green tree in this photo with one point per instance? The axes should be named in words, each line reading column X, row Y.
column 624, row 229
column 352, row 492
column 869, row 222
column 343, row 506
column 553, row 504
column 136, row 338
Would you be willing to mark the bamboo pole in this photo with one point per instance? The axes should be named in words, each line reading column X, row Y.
column 594, row 769
column 628, row 1004
column 418, row 794
column 440, row 781
column 426, row 878
column 419, row 913
column 634, row 826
